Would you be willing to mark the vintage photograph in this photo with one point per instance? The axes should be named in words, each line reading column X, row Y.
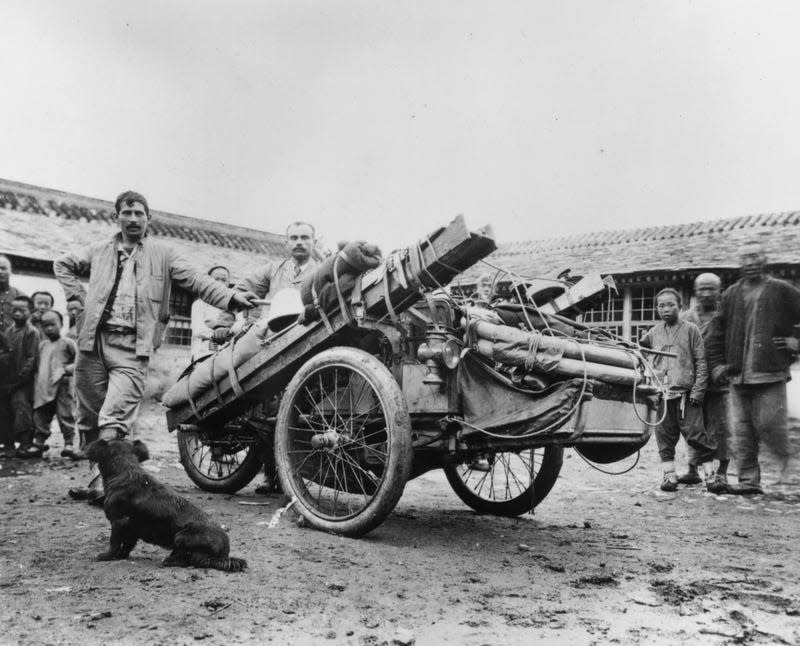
column 394, row 324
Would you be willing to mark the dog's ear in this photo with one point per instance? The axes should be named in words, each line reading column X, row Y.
column 140, row 450
column 96, row 449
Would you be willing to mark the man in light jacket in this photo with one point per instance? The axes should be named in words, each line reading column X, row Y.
column 126, row 309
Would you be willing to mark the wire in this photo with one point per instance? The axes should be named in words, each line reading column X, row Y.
column 610, row 473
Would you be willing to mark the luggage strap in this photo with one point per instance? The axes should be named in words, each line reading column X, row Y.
column 346, row 314
column 215, row 382
column 192, row 405
column 235, row 385
column 357, row 301
column 320, row 310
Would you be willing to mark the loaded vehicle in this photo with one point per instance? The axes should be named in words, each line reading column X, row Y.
column 401, row 377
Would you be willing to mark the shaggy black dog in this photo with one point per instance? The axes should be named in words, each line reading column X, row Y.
column 141, row 508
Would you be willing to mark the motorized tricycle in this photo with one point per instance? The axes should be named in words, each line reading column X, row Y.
column 403, row 377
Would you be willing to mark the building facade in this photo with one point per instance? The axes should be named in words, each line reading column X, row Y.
column 644, row 261
column 39, row 224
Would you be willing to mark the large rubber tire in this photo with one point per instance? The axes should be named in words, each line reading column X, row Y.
column 505, row 490
column 344, row 414
column 219, row 464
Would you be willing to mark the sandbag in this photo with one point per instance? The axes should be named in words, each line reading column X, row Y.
column 213, row 368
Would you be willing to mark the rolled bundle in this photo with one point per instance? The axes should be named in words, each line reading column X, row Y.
column 216, row 366
column 559, row 346
column 511, row 354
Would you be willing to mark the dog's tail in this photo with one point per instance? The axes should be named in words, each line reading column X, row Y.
column 229, row 564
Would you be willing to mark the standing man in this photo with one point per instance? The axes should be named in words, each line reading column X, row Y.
column 126, row 309
column 7, row 293
column 270, row 279
column 707, row 289
column 752, row 346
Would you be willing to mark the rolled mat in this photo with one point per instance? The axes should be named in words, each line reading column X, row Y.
column 213, row 368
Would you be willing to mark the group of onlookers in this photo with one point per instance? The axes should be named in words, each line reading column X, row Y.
column 738, row 345
column 37, row 360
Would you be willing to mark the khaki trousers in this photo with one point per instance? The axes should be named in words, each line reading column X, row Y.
column 109, row 385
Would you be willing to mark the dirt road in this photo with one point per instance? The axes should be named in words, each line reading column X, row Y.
column 606, row 559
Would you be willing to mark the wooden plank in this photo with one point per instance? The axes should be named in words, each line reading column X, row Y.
column 445, row 253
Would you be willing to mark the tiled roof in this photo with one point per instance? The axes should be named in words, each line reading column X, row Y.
column 46, row 237
column 679, row 247
column 41, row 224
column 35, row 200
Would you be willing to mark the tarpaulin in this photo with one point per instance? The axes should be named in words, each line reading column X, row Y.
column 491, row 403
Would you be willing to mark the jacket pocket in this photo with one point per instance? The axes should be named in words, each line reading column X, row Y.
column 155, row 287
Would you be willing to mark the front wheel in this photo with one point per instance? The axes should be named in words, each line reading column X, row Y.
column 506, row 484
column 343, row 441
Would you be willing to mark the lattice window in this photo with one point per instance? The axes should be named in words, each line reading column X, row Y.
column 179, row 331
column 180, row 302
column 643, row 303
column 607, row 314
column 643, row 310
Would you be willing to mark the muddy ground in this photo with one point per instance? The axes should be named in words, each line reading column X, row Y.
column 606, row 559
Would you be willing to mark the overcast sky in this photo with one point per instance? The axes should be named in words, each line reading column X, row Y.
column 381, row 120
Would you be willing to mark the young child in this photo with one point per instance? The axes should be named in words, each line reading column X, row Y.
column 24, row 342
column 685, row 377
column 52, row 393
column 42, row 302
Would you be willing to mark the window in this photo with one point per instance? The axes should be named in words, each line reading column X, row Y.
column 643, row 310
column 180, row 302
column 607, row 314
column 179, row 331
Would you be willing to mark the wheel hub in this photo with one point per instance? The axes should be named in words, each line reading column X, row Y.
column 328, row 440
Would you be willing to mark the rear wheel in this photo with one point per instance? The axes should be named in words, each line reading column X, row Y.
column 220, row 463
column 343, row 441
column 503, row 486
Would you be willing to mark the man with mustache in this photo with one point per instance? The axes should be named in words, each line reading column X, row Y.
column 126, row 309
column 303, row 259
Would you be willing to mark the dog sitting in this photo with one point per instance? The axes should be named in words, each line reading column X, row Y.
column 318, row 290
column 141, row 508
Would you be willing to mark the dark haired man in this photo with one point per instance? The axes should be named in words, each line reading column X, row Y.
column 126, row 309
column 24, row 342
column 7, row 292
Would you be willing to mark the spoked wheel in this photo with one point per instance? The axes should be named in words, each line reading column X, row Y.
column 503, row 485
column 220, row 463
column 343, row 441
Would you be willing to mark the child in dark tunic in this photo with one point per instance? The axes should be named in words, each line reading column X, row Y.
column 685, row 377
column 52, row 393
